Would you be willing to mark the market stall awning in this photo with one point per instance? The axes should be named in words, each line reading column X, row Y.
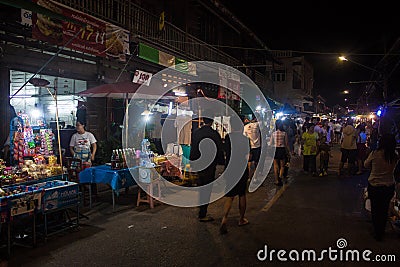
column 272, row 104
column 124, row 90
column 288, row 109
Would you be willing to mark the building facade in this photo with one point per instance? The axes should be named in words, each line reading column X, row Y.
column 184, row 30
column 293, row 81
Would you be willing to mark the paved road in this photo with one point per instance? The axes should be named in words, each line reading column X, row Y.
column 308, row 213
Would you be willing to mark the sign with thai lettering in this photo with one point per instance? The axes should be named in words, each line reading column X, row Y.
column 229, row 80
column 97, row 37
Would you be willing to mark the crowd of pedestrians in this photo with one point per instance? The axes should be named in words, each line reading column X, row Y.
column 363, row 149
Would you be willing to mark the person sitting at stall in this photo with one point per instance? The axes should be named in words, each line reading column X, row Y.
column 83, row 144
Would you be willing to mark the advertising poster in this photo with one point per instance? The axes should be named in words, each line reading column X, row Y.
column 97, row 37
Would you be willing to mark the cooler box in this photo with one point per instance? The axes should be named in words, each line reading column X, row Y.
column 59, row 194
column 25, row 201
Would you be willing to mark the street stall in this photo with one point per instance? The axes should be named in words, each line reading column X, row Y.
column 168, row 161
column 29, row 187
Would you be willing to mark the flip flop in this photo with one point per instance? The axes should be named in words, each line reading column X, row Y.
column 245, row 222
column 223, row 230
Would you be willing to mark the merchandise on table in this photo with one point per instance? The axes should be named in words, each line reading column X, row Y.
column 29, row 170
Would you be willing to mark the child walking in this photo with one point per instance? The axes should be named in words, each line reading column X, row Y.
column 324, row 155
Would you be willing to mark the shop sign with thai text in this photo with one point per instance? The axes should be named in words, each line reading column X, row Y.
column 96, row 37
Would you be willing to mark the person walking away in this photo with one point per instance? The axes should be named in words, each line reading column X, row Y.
column 236, row 142
column 279, row 140
column 337, row 129
column 348, row 147
column 324, row 150
column 382, row 163
column 361, row 148
column 373, row 138
column 305, row 126
column 83, row 144
column 253, row 132
column 310, row 142
column 207, row 174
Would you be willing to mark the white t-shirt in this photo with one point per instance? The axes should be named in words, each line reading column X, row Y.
column 337, row 127
column 82, row 141
column 252, row 131
column 183, row 124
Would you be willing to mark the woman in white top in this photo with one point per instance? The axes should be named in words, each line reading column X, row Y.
column 83, row 144
column 380, row 181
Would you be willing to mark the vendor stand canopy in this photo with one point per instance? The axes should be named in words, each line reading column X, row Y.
column 273, row 104
column 288, row 109
column 122, row 90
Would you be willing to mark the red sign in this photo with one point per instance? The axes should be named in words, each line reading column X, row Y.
column 98, row 37
column 224, row 93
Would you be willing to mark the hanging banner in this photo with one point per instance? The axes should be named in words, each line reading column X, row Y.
column 142, row 77
column 224, row 93
column 98, row 38
column 229, row 80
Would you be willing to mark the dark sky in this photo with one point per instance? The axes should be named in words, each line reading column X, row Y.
column 321, row 30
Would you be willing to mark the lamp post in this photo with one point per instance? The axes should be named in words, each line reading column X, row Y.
column 343, row 58
column 382, row 74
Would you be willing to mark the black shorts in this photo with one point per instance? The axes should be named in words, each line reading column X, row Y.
column 255, row 154
column 240, row 188
column 280, row 153
column 348, row 155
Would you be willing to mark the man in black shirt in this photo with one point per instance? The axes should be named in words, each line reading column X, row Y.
column 206, row 173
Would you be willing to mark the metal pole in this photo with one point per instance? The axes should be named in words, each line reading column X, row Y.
column 58, row 129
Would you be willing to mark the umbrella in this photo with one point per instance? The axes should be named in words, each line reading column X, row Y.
column 124, row 90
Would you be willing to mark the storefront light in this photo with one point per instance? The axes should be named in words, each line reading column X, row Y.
column 170, row 108
column 36, row 113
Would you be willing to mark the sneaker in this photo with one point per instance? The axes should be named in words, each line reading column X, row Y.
column 321, row 174
column 206, row 219
column 325, row 173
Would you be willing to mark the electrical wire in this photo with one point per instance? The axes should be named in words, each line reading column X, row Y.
column 273, row 50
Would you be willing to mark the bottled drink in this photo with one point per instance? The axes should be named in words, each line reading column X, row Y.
column 113, row 160
column 123, row 152
column 117, row 160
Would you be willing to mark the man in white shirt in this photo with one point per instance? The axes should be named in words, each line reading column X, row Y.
column 253, row 132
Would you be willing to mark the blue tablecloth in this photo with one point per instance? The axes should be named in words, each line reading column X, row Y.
column 117, row 179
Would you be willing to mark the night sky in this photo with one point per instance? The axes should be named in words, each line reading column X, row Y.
column 321, row 31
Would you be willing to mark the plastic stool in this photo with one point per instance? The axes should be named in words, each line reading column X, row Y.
column 149, row 188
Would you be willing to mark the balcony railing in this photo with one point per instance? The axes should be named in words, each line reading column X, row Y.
column 144, row 26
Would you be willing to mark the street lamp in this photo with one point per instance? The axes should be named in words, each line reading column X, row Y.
column 382, row 74
column 343, row 58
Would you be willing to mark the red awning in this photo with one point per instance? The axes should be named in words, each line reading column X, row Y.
column 124, row 90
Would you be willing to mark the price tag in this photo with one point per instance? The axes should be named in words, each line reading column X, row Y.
column 142, row 77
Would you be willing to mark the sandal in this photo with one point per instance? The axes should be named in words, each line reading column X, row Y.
column 245, row 222
column 222, row 229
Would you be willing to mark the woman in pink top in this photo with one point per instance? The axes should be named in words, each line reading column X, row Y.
column 382, row 163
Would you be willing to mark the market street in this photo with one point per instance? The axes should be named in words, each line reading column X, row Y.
column 310, row 213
